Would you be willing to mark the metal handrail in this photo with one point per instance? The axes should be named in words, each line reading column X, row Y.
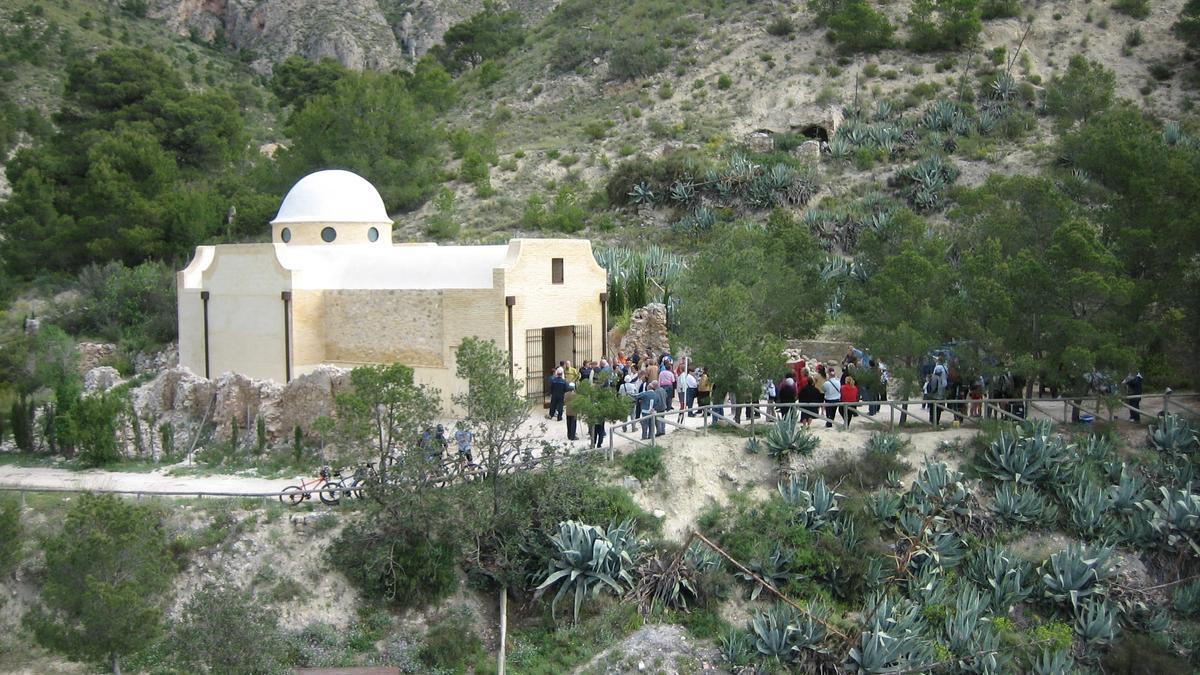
column 994, row 405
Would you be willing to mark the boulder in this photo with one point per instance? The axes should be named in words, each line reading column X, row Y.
column 808, row 150
column 760, row 141
column 153, row 362
column 101, row 379
column 93, row 354
column 647, row 331
column 307, row 398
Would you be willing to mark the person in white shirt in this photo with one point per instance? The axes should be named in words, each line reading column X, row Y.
column 832, row 390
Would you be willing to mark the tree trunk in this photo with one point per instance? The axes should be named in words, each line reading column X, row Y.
column 116, row 664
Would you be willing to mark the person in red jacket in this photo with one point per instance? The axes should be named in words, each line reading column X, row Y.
column 849, row 397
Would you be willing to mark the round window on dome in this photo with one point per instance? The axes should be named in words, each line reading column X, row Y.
column 373, row 234
column 286, row 234
column 328, row 234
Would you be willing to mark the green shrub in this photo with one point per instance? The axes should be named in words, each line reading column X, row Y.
column 572, row 49
column 399, row 565
column 488, row 35
column 452, row 643
column 724, row 81
column 999, row 9
column 863, row 473
column 442, row 225
column 10, row 532
column 644, row 463
column 858, row 27
column 635, row 58
column 1138, row 9
column 1161, row 72
column 781, row 26
column 123, row 304
column 937, row 25
column 223, row 630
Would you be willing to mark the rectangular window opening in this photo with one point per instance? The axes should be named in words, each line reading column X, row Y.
column 556, row 270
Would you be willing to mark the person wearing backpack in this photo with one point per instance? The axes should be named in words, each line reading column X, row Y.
column 1133, row 385
column 938, row 382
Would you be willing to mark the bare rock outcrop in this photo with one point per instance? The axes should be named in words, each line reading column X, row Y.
column 647, row 331
column 361, row 34
column 101, row 379
column 93, row 355
column 354, row 32
column 185, row 401
column 308, row 397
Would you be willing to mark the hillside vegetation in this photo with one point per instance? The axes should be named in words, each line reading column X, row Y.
column 1012, row 182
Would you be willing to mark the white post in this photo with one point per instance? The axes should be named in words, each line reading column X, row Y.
column 503, row 628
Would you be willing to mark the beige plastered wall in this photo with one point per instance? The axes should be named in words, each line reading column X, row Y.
column 541, row 304
column 245, row 312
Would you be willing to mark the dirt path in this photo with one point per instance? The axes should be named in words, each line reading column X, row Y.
column 155, row 481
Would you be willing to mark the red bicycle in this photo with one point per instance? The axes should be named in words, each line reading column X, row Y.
column 329, row 490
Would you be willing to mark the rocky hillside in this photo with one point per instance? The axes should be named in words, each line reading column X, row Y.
column 361, row 34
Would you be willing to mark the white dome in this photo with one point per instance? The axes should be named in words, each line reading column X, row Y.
column 332, row 196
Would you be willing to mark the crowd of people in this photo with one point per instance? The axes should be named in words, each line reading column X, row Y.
column 663, row 384
column 825, row 392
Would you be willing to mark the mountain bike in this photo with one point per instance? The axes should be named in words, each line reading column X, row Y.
column 327, row 489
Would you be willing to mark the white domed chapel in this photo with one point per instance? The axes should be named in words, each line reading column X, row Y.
column 332, row 288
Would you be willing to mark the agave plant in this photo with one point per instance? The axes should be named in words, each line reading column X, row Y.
column 1186, row 599
column 779, row 633
column 884, row 505
column 787, row 437
column 818, row 505
column 1096, row 447
column 1172, row 133
column 840, row 148
column 1024, row 459
column 664, row 582
column 891, row 640
column 1089, row 505
column 772, row 633
column 886, row 443
column 1128, row 493
column 1057, row 662
column 1020, row 507
column 987, row 122
column 941, row 550
column 944, row 488
column 642, row 193
column 1004, row 87
column 736, row 648
column 1174, row 436
column 1096, row 622
column 883, row 109
column 794, row 490
column 774, row 570
column 1176, row 518
column 1142, row 616
column 940, row 115
column 1076, row 573
column 588, row 559
column 878, row 573
column 973, row 641
column 991, row 562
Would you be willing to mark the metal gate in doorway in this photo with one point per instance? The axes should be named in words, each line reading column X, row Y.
column 535, row 378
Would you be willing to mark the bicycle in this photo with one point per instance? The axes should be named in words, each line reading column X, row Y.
column 329, row 491
column 363, row 474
